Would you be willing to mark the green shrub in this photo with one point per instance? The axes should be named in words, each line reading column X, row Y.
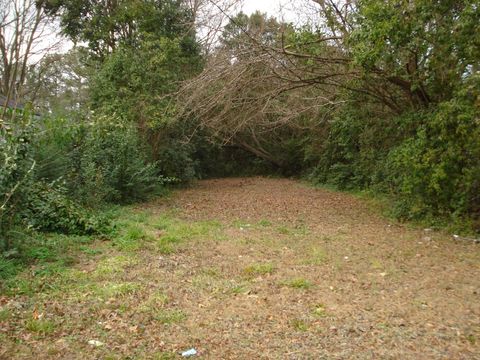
column 16, row 171
column 49, row 209
column 437, row 172
column 428, row 161
column 112, row 166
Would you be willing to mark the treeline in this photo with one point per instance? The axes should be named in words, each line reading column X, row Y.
column 97, row 126
column 379, row 95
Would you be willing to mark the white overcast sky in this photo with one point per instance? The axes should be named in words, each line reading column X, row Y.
column 295, row 11
column 276, row 8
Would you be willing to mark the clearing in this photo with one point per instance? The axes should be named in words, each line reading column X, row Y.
column 251, row 268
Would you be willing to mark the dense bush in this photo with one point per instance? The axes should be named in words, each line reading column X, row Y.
column 112, row 164
column 26, row 200
column 48, row 208
column 99, row 161
column 429, row 161
column 437, row 172
column 16, row 172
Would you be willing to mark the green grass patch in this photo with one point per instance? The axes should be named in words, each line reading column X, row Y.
column 264, row 223
column 175, row 232
column 115, row 290
column 259, row 269
column 317, row 256
column 111, row 266
column 131, row 238
column 40, row 326
column 165, row 356
column 169, row 316
column 5, row 314
column 319, row 310
column 298, row 283
column 300, row 325
column 158, row 299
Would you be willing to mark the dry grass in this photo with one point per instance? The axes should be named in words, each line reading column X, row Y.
column 254, row 269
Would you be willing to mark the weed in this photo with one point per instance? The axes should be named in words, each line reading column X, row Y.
column 8, row 268
column 284, row 230
column 319, row 310
column 210, row 271
column 317, row 256
column 112, row 290
column 156, row 300
column 165, row 356
column 299, row 283
column 259, row 269
column 471, row 339
column 238, row 289
column 114, row 265
column 89, row 251
column 376, row 264
column 131, row 239
column 264, row 223
column 170, row 316
column 40, row 326
column 177, row 231
column 5, row 314
column 299, row 325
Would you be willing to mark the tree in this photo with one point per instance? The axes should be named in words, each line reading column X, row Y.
column 59, row 83
column 257, row 90
column 26, row 34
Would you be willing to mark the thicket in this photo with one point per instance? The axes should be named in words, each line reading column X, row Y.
column 380, row 96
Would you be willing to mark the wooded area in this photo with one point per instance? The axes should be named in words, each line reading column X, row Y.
column 378, row 97
column 364, row 95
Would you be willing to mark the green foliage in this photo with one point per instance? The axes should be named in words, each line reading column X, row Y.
column 414, row 45
column 105, row 26
column 176, row 159
column 437, row 172
column 17, row 166
column 99, row 161
column 134, row 81
column 428, row 161
column 49, row 209
column 111, row 165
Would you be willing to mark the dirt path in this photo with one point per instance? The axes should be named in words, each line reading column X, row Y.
column 266, row 269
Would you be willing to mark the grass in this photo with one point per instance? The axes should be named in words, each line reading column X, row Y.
column 5, row 314
column 169, row 316
column 319, row 310
column 298, row 283
column 174, row 232
column 300, row 325
column 49, row 252
column 317, row 256
column 131, row 238
column 117, row 290
column 259, row 269
column 124, row 292
column 39, row 326
column 158, row 299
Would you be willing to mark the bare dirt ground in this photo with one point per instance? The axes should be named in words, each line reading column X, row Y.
column 259, row 269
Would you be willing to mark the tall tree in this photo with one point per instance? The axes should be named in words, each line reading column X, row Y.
column 26, row 35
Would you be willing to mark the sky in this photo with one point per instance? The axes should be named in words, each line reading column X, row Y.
column 298, row 12
column 276, row 8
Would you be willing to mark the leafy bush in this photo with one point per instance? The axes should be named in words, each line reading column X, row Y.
column 103, row 160
column 429, row 161
column 26, row 200
column 176, row 161
column 17, row 167
column 113, row 166
column 49, row 209
column 437, row 172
